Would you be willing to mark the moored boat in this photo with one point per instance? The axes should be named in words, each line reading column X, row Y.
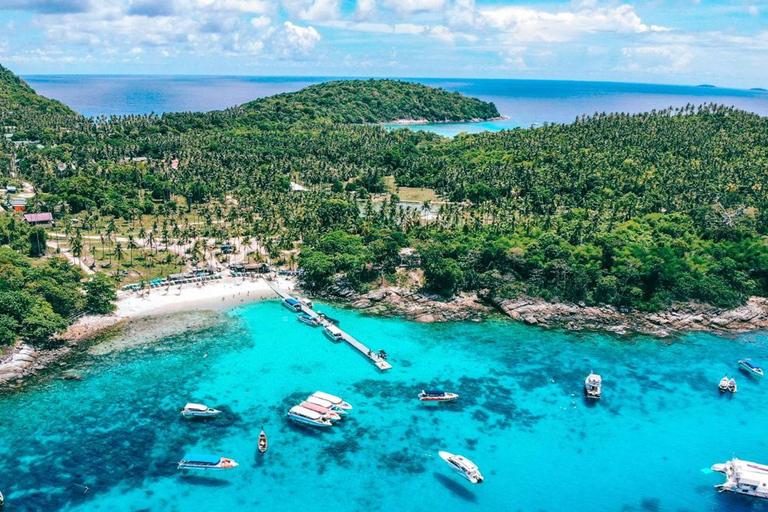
column 206, row 462
column 309, row 320
column 723, row 385
column 732, row 385
column 325, row 411
column 743, row 477
column 435, row 395
column 751, row 366
column 300, row 414
column 593, row 386
column 199, row 411
column 306, row 302
column 292, row 304
column 327, row 318
column 332, row 332
column 263, row 442
column 2, row 499
column 327, row 405
column 464, row 466
column 335, row 400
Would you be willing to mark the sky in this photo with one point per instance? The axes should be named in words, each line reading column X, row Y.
column 721, row 42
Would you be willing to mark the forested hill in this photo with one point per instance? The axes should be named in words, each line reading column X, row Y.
column 21, row 106
column 368, row 101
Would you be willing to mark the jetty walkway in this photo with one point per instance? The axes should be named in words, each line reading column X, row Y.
column 380, row 362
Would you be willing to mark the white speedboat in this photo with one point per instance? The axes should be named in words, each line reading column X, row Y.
column 206, row 462
column 332, row 332
column 327, row 405
column 751, row 366
column 263, row 442
column 325, row 411
column 743, row 477
column 723, row 386
column 2, row 500
column 435, row 395
column 303, row 415
column 199, row 411
column 466, row 467
column 732, row 385
column 593, row 386
column 338, row 402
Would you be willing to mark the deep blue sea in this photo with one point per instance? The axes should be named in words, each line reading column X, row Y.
column 524, row 102
column 521, row 417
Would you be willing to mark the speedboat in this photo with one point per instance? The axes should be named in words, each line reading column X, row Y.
column 723, row 386
column 198, row 411
column 732, row 385
column 263, row 443
column 338, row 402
column 306, row 302
column 210, row 462
column 751, row 366
column 309, row 320
column 325, row 411
column 327, row 318
column 593, row 386
column 292, row 304
column 435, row 395
column 466, row 467
column 2, row 500
column 743, row 477
column 300, row 414
column 326, row 404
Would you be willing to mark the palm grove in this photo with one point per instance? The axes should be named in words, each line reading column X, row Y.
column 629, row 210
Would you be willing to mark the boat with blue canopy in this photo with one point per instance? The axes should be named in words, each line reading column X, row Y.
column 292, row 304
column 309, row 320
column 206, row 462
column 751, row 366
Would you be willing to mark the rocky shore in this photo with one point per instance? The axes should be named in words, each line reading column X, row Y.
column 393, row 301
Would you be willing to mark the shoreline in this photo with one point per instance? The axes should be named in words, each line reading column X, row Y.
column 23, row 361
column 413, row 122
column 677, row 320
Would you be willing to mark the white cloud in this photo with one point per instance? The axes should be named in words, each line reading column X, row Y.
column 365, row 9
column 409, row 7
column 668, row 60
column 299, row 40
column 313, row 10
column 527, row 24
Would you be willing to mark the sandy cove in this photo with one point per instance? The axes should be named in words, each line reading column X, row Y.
column 23, row 360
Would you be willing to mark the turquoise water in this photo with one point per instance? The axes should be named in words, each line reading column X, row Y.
column 525, row 102
column 521, row 418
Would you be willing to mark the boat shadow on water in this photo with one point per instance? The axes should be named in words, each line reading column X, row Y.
column 456, row 487
column 206, row 481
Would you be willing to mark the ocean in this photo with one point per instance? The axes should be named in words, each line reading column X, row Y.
column 110, row 441
column 525, row 102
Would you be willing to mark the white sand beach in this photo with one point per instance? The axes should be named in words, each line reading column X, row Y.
column 209, row 295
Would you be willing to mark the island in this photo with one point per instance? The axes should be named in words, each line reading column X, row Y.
column 652, row 223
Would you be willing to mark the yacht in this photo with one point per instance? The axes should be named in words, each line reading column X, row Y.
column 332, row 332
column 292, row 304
column 309, row 320
column 210, row 462
column 327, row 412
column 300, row 414
column 751, row 366
column 743, row 477
column 466, row 467
column 338, row 402
column 198, row 411
column 593, row 386
column 328, row 405
column 263, row 442
column 437, row 396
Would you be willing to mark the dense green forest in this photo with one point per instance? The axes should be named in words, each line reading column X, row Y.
column 630, row 210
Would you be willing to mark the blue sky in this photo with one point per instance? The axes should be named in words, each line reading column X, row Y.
column 723, row 42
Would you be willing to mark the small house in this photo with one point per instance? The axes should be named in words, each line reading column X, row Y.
column 19, row 204
column 258, row 268
column 10, row 189
column 36, row 219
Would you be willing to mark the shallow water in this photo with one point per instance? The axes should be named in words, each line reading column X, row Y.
column 521, row 418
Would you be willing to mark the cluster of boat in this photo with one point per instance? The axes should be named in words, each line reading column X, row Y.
column 211, row 462
column 319, row 410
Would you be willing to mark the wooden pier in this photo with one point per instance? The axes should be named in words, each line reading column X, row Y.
column 380, row 362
